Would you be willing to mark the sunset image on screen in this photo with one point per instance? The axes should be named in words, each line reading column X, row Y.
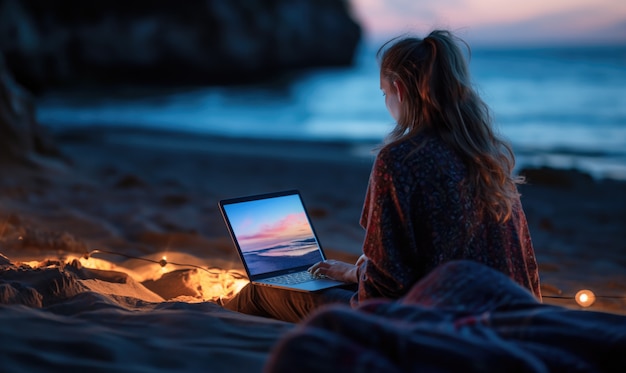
column 273, row 234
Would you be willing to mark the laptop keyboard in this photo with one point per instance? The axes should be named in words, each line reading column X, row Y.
column 292, row 278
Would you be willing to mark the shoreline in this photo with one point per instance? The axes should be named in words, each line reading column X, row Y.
column 159, row 196
column 600, row 165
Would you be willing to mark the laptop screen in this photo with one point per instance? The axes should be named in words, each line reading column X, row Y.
column 272, row 232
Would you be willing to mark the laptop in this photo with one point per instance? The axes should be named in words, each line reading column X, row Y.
column 275, row 240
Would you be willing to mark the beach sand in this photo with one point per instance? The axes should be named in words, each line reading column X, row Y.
column 120, row 195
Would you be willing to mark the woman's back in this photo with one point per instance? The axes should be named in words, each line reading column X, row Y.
column 420, row 212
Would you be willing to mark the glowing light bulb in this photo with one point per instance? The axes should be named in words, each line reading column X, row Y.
column 163, row 263
column 585, row 298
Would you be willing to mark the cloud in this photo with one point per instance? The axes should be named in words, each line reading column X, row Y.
column 291, row 227
column 535, row 21
column 572, row 27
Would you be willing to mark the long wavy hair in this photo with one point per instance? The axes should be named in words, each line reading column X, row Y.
column 439, row 96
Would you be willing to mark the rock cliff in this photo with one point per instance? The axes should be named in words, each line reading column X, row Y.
column 75, row 42
column 22, row 139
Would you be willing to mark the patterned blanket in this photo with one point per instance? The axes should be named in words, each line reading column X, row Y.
column 462, row 317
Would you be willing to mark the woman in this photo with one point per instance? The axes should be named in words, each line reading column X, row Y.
column 441, row 188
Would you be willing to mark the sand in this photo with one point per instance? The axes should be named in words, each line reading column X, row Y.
column 82, row 239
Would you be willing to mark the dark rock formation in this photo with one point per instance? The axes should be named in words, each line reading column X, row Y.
column 22, row 139
column 547, row 176
column 70, row 42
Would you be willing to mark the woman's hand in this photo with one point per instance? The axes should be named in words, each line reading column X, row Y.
column 335, row 270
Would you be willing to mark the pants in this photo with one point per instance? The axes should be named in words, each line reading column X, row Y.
column 286, row 305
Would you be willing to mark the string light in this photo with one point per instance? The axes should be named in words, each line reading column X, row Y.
column 162, row 262
column 219, row 285
column 585, row 298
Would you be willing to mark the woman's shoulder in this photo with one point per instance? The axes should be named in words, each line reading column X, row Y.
column 421, row 145
column 423, row 155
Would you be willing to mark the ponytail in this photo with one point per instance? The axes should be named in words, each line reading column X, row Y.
column 440, row 97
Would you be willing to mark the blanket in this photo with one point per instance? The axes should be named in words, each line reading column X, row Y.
column 462, row 317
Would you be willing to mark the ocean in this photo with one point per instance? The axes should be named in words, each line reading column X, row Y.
column 563, row 107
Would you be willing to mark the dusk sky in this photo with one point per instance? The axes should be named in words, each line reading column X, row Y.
column 499, row 22
column 264, row 223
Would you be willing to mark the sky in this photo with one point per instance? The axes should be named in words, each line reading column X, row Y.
column 499, row 21
column 264, row 223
